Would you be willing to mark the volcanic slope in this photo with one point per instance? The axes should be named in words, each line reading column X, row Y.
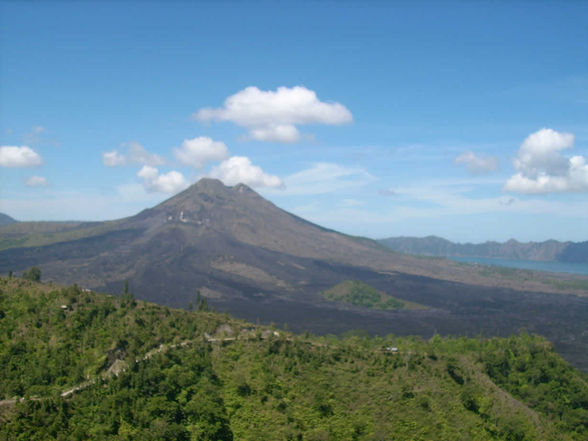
column 256, row 261
column 226, row 241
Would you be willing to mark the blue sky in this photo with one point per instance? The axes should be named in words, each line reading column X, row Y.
column 468, row 120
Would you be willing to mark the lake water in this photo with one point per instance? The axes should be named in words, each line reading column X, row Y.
column 556, row 267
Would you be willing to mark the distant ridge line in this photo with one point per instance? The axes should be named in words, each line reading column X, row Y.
column 549, row 250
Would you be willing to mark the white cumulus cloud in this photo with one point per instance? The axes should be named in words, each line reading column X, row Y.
column 477, row 164
column 136, row 155
column 240, row 170
column 36, row 181
column 23, row 156
column 273, row 115
column 170, row 183
column 542, row 168
column 198, row 151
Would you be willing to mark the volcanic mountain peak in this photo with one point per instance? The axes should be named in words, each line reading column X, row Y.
column 209, row 185
column 212, row 187
column 208, row 192
column 238, row 214
column 207, row 202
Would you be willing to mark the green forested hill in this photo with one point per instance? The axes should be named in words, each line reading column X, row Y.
column 91, row 366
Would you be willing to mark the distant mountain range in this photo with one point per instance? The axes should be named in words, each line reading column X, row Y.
column 550, row 250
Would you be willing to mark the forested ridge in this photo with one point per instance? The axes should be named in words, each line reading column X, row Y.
column 80, row 365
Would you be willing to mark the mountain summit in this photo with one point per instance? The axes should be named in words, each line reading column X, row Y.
column 239, row 214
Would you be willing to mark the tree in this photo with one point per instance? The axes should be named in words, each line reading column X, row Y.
column 33, row 274
column 201, row 302
column 127, row 299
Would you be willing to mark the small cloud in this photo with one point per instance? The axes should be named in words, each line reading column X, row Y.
column 197, row 152
column 240, row 170
column 541, row 168
column 477, row 164
column 170, row 183
column 36, row 181
column 410, row 148
column 113, row 159
column 352, row 202
column 33, row 136
column 272, row 116
column 387, row 192
column 23, row 156
column 326, row 177
column 507, row 202
column 277, row 133
column 136, row 155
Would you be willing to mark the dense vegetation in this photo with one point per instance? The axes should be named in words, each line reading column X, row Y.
column 358, row 293
column 33, row 274
column 146, row 372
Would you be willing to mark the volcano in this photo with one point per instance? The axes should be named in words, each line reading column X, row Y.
column 226, row 242
column 258, row 262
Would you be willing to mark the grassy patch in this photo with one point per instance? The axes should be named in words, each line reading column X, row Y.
column 360, row 294
column 568, row 284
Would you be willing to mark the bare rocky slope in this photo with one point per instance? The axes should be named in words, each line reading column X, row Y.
column 254, row 260
column 219, row 239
